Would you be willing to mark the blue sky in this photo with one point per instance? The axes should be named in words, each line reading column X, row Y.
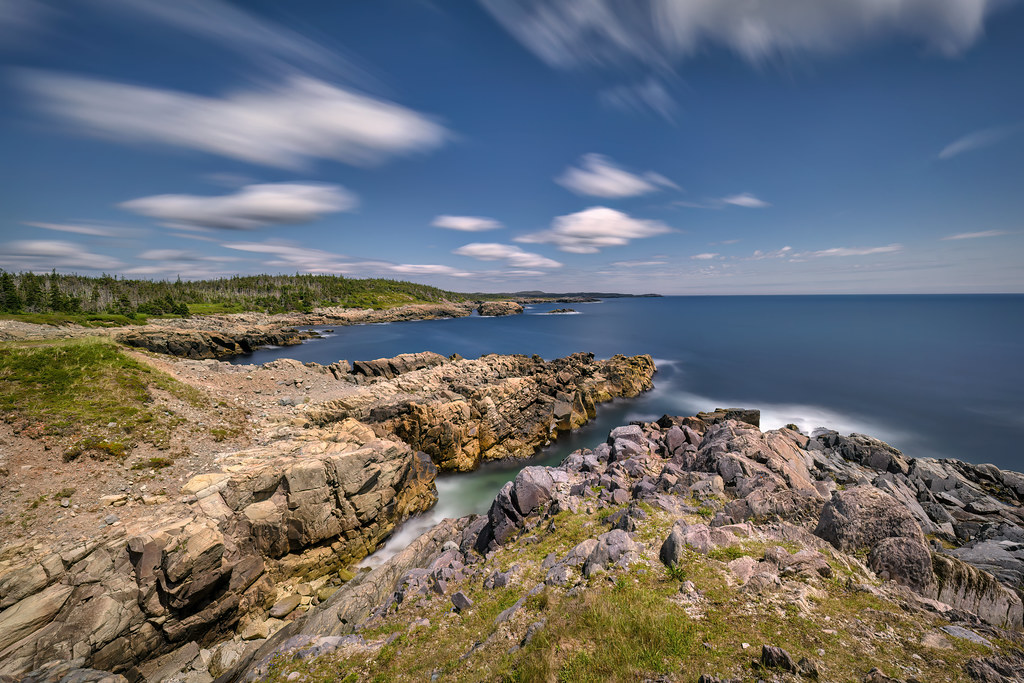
column 675, row 146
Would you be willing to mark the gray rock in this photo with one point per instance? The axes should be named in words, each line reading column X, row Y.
column 903, row 560
column 861, row 517
column 285, row 606
column 461, row 602
column 776, row 658
column 531, row 488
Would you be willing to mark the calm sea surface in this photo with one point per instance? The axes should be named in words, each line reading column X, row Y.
column 935, row 376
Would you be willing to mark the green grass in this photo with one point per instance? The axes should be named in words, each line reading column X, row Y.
column 89, row 392
column 83, row 319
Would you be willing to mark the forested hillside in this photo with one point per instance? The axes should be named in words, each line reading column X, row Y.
column 29, row 293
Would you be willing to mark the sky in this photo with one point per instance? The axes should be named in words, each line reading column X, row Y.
column 669, row 146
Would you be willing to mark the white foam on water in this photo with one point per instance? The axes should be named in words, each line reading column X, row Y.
column 807, row 417
column 447, row 493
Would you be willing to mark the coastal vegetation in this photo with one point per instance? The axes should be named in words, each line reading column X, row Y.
column 109, row 299
column 88, row 393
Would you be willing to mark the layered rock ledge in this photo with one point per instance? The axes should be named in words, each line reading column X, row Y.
column 272, row 530
column 773, row 528
column 463, row 412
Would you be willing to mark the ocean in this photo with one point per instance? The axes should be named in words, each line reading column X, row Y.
column 933, row 375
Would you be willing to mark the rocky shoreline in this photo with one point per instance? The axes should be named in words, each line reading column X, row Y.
column 274, row 527
column 939, row 541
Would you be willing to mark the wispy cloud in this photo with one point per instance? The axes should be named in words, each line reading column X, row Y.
column 978, row 139
column 638, row 263
column 648, row 95
column 466, row 223
column 976, row 235
column 228, row 26
column 593, row 229
column 705, row 256
column 83, row 229
column 599, row 176
column 852, row 251
column 656, row 35
column 744, row 199
column 294, row 257
column 509, row 253
column 42, row 255
column 285, row 125
column 251, row 207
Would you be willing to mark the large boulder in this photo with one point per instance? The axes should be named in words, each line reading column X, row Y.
column 861, row 517
column 496, row 308
column 866, row 519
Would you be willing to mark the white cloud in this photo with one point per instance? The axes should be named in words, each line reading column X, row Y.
column 91, row 230
column 976, row 235
column 704, row 257
column 509, row 253
column 466, row 223
column 230, row 27
column 759, row 255
column 746, row 200
column 647, row 95
column 638, row 263
column 600, row 177
column 856, row 251
column 288, row 256
column 590, row 230
column 655, row 33
column 977, row 140
column 285, row 125
column 43, row 255
column 251, row 207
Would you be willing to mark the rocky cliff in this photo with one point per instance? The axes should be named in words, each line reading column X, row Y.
column 304, row 506
column 273, row 529
column 463, row 412
column 199, row 343
column 694, row 548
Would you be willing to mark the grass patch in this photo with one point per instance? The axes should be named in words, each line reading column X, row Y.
column 154, row 463
column 87, row 390
column 83, row 319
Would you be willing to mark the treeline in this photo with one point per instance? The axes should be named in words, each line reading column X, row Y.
column 107, row 294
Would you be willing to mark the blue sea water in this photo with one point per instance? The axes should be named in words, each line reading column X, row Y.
column 935, row 376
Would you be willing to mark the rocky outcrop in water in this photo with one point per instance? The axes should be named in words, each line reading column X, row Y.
column 779, row 521
column 497, row 308
column 200, row 344
column 463, row 412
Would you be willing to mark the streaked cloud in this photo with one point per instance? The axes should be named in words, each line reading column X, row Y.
column 97, row 230
column 976, row 235
column 228, row 26
column 854, row 251
column 648, row 95
column 286, row 125
column 253, row 206
column 639, row 263
column 744, row 199
column 705, row 256
column 293, row 257
column 659, row 33
column 978, row 140
column 599, row 176
column 42, row 255
column 466, row 223
column 759, row 255
column 509, row 253
column 593, row 229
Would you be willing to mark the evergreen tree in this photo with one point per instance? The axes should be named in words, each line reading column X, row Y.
column 10, row 300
